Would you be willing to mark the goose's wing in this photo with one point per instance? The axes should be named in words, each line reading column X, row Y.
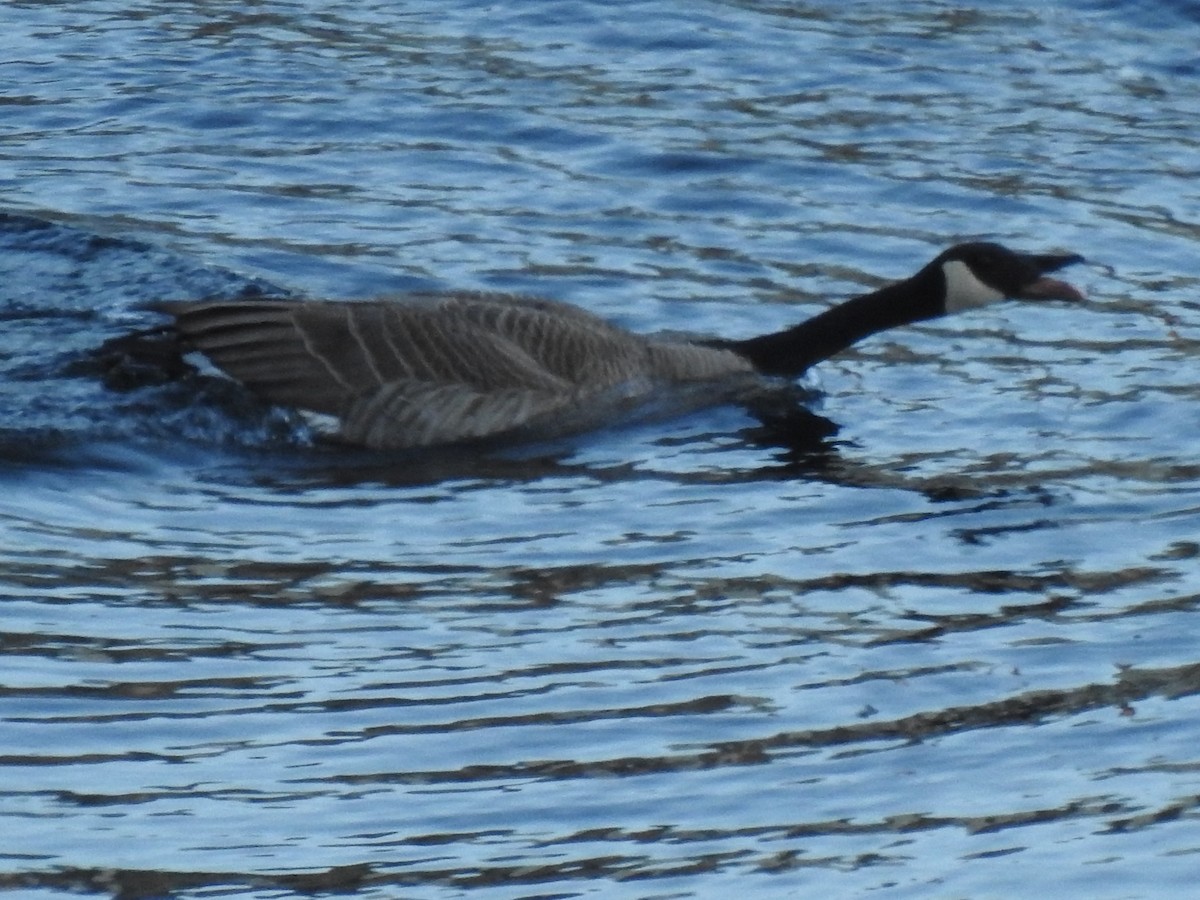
column 564, row 341
column 488, row 305
column 324, row 356
column 438, row 368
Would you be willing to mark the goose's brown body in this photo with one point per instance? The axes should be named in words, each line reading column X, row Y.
column 439, row 369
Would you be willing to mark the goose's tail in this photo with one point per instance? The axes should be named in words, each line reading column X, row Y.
column 140, row 358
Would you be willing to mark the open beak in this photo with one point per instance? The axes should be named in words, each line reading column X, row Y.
column 1045, row 288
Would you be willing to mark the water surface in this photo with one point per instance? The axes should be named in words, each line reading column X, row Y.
column 948, row 655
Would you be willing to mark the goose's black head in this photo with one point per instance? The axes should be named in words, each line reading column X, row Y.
column 980, row 273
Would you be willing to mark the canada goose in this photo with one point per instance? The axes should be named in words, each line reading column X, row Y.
column 442, row 368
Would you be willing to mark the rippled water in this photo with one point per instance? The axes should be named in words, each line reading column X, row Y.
column 950, row 654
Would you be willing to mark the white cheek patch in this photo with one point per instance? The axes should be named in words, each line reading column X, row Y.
column 964, row 290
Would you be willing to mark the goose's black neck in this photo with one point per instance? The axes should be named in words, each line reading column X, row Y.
column 791, row 351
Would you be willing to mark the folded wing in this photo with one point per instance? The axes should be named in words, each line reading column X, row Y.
column 434, row 370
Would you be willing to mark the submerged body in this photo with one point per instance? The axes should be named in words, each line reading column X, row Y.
column 447, row 368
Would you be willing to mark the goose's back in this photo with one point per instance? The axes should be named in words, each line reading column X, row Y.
column 563, row 341
column 434, row 368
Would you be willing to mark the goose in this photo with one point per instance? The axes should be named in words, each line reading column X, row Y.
column 434, row 369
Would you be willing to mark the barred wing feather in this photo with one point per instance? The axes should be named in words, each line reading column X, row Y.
column 432, row 370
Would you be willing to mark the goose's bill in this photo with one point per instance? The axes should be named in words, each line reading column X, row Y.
column 1050, row 289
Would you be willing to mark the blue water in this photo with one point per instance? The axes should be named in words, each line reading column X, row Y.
column 950, row 655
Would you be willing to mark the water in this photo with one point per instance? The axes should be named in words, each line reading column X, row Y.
column 948, row 656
